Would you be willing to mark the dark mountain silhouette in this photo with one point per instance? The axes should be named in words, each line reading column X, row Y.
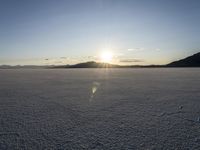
column 191, row 61
column 93, row 64
column 90, row 64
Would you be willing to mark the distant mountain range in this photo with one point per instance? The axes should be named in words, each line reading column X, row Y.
column 191, row 61
column 90, row 64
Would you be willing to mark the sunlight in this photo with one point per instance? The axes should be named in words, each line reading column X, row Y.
column 106, row 56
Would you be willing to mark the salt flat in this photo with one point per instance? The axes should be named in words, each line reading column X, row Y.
column 156, row 108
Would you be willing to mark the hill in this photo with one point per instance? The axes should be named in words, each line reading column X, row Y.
column 191, row 61
column 90, row 64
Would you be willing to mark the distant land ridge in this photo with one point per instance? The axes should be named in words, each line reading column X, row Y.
column 191, row 61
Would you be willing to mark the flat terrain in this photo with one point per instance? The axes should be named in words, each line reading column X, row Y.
column 100, row 109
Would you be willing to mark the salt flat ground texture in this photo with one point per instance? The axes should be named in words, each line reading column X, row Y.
column 100, row 109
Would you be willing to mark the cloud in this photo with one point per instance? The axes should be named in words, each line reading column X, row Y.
column 142, row 49
column 63, row 57
column 58, row 62
column 130, row 60
column 90, row 57
column 136, row 49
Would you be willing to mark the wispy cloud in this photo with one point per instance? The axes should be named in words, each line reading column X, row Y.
column 58, row 62
column 136, row 49
column 142, row 49
column 63, row 57
column 157, row 49
column 130, row 60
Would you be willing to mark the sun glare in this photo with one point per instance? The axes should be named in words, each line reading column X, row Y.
column 106, row 56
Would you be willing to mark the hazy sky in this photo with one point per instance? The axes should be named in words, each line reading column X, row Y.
column 70, row 31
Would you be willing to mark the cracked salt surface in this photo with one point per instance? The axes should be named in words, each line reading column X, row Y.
column 100, row 109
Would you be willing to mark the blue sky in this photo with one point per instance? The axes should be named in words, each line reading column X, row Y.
column 70, row 31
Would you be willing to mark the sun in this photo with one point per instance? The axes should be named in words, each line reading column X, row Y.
column 106, row 56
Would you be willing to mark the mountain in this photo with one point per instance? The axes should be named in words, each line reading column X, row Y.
column 191, row 61
column 90, row 64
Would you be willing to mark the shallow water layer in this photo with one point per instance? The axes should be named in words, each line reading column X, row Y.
column 157, row 108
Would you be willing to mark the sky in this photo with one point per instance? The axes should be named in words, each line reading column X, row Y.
column 45, row 32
